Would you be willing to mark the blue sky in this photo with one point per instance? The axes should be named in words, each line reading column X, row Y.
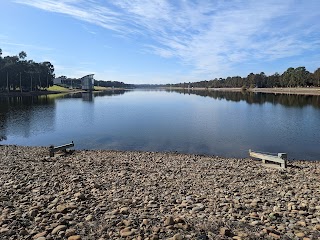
column 163, row 41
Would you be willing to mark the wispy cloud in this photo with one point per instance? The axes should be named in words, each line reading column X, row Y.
column 77, row 72
column 211, row 36
column 4, row 43
column 87, row 29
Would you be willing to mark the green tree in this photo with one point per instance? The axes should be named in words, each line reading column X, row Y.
column 22, row 55
column 287, row 78
column 316, row 77
column 251, row 80
column 302, row 77
column 273, row 80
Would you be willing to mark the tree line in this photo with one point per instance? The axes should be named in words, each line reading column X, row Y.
column 292, row 77
column 19, row 74
column 114, row 84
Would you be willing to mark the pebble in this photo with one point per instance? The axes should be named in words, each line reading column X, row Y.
column 89, row 217
column 253, row 223
column 126, row 232
column 59, row 228
column 274, row 235
column 80, row 196
column 177, row 237
column 145, row 222
column 225, row 232
column 70, row 232
column 199, row 207
column 124, row 210
column 300, row 234
column 145, row 195
column 41, row 234
column 40, row 238
column 4, row 230
column 168, row 221
column 75, row 237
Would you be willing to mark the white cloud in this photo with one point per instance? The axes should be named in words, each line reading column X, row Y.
column 211, row 36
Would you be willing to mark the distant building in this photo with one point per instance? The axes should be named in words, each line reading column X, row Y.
column 84, row 83
column 58, row 80
column 87, row 82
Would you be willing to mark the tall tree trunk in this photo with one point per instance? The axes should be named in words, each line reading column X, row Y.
column 7, row 81
column 39, row 82
column 20, row 83
column 31, row 82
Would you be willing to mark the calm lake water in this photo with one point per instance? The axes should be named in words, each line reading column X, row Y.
column 216, row 123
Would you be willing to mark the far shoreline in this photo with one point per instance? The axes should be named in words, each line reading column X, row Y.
column 297, row 91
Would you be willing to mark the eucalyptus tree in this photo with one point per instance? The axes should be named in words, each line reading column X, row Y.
column 302, row 77
column 316, row 77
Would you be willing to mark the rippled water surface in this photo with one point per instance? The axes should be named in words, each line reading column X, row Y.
column 215, row 123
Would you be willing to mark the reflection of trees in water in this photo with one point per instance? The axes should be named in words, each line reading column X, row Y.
column 288, row 100
column 109, row 93
column 23, row 115
column 89, row 95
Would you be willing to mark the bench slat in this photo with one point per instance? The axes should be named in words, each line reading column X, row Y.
column 69, row 145
column 64, row 147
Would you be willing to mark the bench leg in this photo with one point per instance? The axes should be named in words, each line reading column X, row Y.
column 51, row 154
column 284, row 165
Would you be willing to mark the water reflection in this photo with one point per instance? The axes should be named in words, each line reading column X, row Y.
column 288, row 100
column 19, row 115
column 219, row 123
column 26, row 116
column 89, row 96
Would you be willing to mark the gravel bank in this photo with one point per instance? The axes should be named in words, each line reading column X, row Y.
column 146, row 195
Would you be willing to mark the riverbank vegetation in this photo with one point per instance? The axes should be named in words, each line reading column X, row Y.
column 19, row 74
column 112, row 84
column 292, row 77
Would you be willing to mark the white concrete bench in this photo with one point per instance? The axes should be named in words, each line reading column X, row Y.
column 53, row 149
column 266, row 158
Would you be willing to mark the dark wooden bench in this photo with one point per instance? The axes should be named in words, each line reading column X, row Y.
column 53, row 149
column 280, row 159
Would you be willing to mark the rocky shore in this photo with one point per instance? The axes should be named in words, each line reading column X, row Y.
column 147, row 195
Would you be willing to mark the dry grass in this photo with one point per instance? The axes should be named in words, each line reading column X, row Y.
column 58, row 88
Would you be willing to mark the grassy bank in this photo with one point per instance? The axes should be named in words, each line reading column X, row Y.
column 57, row 88
column 147, row 195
